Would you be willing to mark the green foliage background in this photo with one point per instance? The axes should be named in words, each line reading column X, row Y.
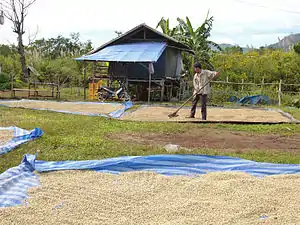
column 54, row 60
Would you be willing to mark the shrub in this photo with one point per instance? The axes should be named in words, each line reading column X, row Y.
column 4, row 81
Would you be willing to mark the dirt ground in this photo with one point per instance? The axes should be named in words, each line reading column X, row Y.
column 84, row 197
column 66, row 106
column 215, row 139
column 213, row 114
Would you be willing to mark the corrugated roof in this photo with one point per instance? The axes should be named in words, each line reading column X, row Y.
column 133, row 52
column 140, row 27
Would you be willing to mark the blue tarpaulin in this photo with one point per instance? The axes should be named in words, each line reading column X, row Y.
column 115, row 114
column 254, row 100
column 171, row 165
column 251, row 100
column 15, row 182
column 20, row 136
column 134, row 52
column 13, row 190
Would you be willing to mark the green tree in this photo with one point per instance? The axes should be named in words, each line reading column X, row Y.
column 197, row 39
column 16, row 12
column 164, row 25
column 234, row 49
column 6, row 50
column 60, row 46
column 4, row 81
column 297, row 48
column 11, row 64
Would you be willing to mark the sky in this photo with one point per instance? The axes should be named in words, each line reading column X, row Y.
column 240, row 22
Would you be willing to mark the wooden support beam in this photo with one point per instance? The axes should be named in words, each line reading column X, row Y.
column 142, row 39
column 84, row 79
column 162, row 90
column 144, row 81
column 149, row 90
column 171, row 92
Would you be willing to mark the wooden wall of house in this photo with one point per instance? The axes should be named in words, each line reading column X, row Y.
column 166, row 66
column 171, row 62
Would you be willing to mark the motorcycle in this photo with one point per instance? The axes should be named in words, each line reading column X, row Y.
column 114, row 94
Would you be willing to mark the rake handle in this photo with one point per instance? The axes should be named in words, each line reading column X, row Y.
column 183, row 104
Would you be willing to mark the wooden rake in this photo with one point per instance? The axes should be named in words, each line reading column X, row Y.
column 174, row 114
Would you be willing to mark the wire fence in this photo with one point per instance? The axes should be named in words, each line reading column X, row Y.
column 65, row 94
column 222, row 92
column 279, row 93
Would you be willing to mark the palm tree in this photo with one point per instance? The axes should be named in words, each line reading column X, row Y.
column 197, row 39
column 164, row 25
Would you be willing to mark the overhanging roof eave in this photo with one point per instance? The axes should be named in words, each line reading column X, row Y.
column 183, row 46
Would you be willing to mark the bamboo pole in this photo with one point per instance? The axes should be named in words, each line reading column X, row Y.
column 243, row 84
column 262, row 85
column 225, row 82
column 12, row 85
column 279, row 92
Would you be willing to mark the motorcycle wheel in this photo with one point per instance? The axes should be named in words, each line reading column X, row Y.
column 125, row 96
column 103, row 96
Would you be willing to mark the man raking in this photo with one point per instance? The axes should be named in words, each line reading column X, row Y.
column 201, row 83
column 201, row 89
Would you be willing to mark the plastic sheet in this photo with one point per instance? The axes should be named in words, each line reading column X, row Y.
column 133, row 52
column 21, row 136
column 13, row 180
column 114, row 114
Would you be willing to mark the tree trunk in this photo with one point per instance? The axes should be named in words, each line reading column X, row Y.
column 192, row 69
column 21, row 51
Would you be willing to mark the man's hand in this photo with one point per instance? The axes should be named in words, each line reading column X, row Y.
column 216, row 74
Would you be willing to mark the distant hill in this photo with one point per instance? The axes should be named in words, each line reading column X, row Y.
column 223, row 46
column 287, row 42
column 245, row 49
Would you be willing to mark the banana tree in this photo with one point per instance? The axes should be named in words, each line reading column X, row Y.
column 164, row 25
column 197, row 39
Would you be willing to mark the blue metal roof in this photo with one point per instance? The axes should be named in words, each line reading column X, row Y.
column 133, row 52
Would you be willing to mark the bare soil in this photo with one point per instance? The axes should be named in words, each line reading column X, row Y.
column 85, row 197
column 213, row 114
column 5, row 136
column 66, row 106
column 214, row 139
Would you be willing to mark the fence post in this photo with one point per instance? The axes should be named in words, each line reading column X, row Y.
column 243, row 84
column 78, row 86
column 227, row 79
column 262, row 85
column 279, row 92
column 12, row 85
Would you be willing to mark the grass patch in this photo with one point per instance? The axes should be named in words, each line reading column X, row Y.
column 293, row 111
column 74, row 137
